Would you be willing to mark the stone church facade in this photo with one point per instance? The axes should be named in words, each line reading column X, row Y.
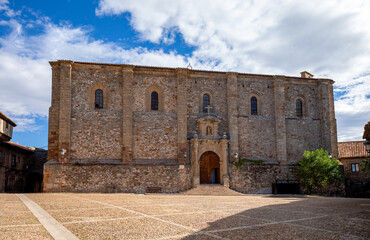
column 126, row 128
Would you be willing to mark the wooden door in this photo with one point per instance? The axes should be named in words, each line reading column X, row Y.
column 209, row 161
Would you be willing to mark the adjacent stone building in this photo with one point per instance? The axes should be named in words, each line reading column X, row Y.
column 6, row 127
column 351, row 155
column 126, row 128
column 21, row 167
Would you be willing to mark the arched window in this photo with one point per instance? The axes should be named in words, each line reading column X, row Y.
column 254, row 106
column 154, row 101
column 206, row 102
column 99, row 98
column 298, row 108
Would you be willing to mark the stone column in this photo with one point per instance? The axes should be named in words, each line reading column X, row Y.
column 195, row 162
column 280, row 127
column 327, row 117
column 182, row 114
column 53, row 132
column 65, row 109
column 333, row 122
column 127, row 145
column 232, row 111
column 224, row 165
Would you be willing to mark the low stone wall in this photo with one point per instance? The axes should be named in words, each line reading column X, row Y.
column 119, row 177
column 337, row 189
column 259, row 178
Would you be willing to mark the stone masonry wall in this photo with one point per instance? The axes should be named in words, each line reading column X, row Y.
column 154, row 132
column 96, row 133
column 127, row 130
column 302, row 134
column 257, row 138
column 110, row 178
column 155, row 135
column 213, row 85
column 258, row 178
column 164, row 80
column 85, row 77
column 263, row 88
column 307, row 92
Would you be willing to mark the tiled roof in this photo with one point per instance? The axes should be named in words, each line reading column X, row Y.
column 2, row 115
column 351, row 149
column 19, row 146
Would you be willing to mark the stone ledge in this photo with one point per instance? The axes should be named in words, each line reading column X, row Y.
column 89, row 162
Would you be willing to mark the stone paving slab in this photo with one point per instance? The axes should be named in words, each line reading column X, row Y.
column 163, row 209
column 12, row 206
column 55, row 204
column 17, row 218
column 340, row 224
column 30, row 232
column 278, row 231
column 90, row 214
column 14, row 212
column 55, row 228
column 142, row 228
column 276, row 214
column 201, row 221
column 176, row 216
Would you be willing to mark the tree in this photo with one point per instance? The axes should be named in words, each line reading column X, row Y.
column 317, row 169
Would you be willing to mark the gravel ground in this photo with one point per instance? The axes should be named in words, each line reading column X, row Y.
column 175, row 216
column 17, row 222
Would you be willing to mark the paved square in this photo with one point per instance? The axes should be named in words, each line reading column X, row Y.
column 177, row 216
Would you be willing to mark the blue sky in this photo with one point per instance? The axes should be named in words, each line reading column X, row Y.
column 327, row 38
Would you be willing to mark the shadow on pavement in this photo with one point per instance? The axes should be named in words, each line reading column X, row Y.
column 302, row 217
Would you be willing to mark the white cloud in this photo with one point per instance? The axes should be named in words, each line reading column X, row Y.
column 328, row 38
column 25, row 81
column 26, row 124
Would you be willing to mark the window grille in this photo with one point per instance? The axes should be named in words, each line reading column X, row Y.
column 254, row 106
column 206, row 102
column 154, row 101
column 298, row 107
column 99, row 98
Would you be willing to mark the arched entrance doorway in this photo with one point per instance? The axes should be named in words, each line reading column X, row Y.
column 209, row 168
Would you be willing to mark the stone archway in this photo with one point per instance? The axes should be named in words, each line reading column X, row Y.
column 209, row 168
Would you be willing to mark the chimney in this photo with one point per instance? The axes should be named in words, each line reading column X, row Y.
column 306, row 74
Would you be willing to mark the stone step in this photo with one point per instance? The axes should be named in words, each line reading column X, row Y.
column 212, row 190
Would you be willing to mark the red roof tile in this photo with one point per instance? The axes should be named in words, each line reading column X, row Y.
column 19, row 146
column 351, row 149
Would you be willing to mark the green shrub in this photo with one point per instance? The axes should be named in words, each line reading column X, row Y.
column 365, row 165
column 317, row 169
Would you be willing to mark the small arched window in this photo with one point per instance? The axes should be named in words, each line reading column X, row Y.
column 99, row 98
column 254, row 110
column 154, row 101
column 298, row 108
column 206, row 102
